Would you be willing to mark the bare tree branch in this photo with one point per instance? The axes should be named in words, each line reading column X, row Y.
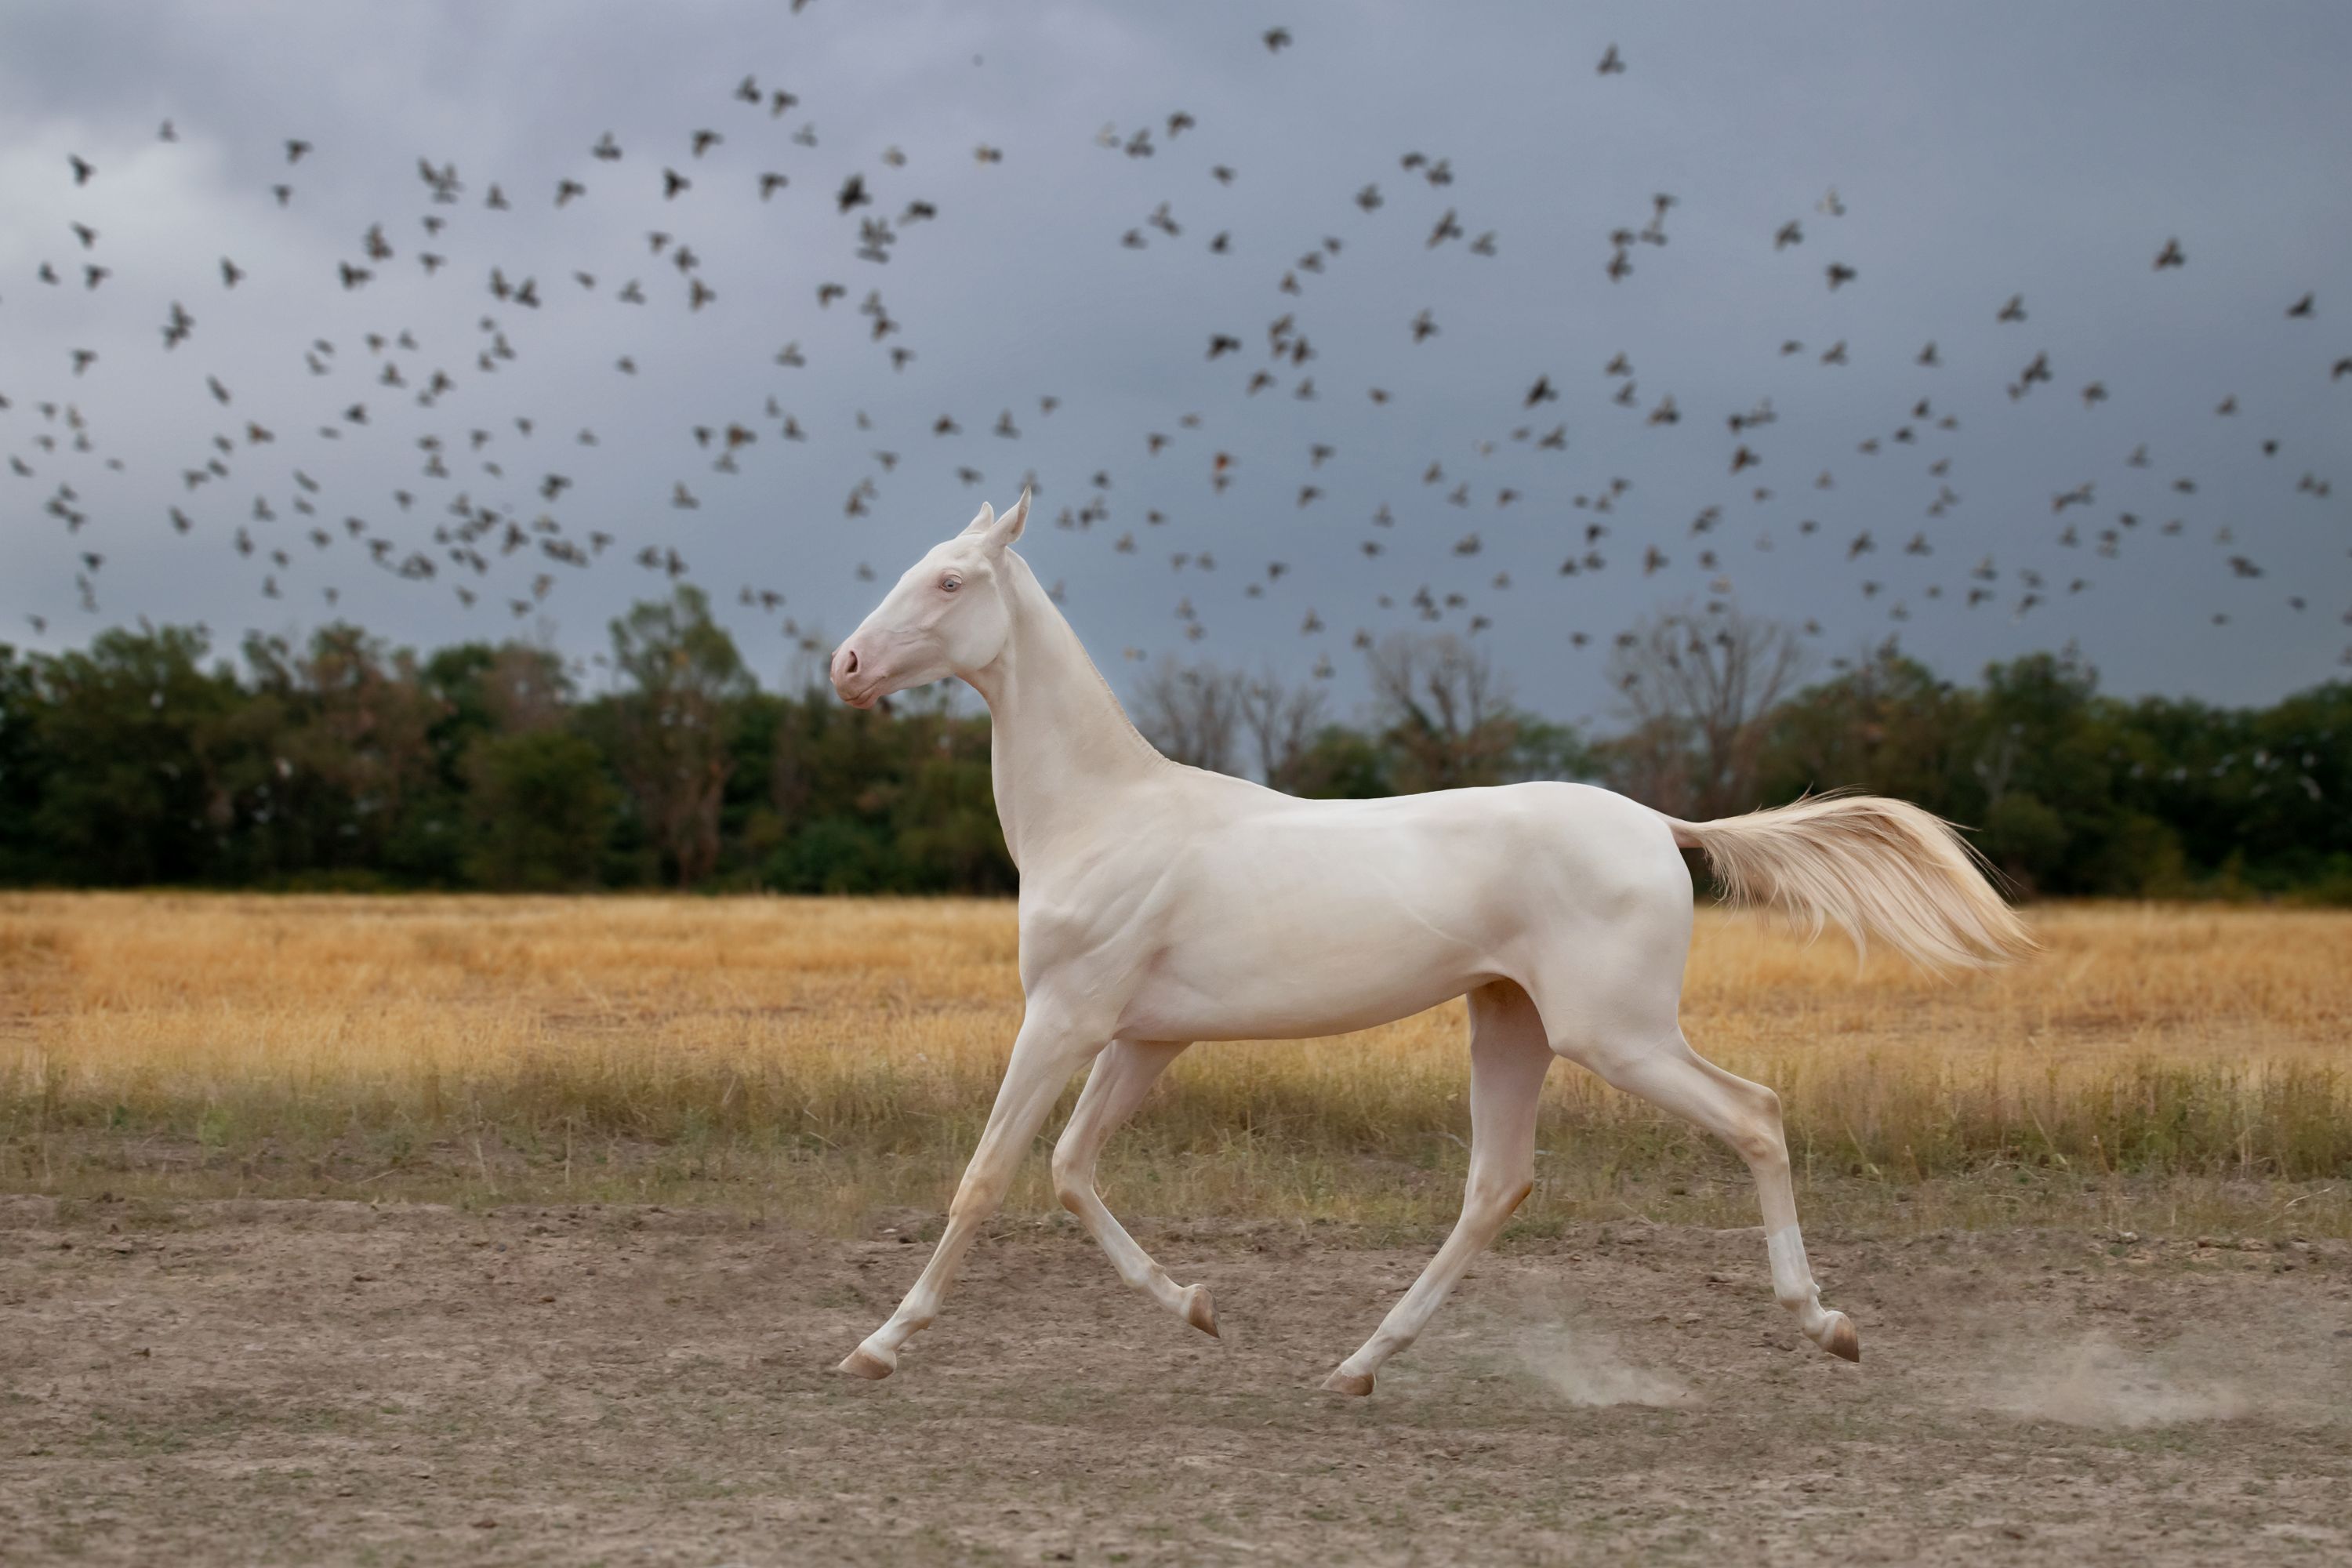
column 1282, row 720
column 1697, row 685
column 1191, row 712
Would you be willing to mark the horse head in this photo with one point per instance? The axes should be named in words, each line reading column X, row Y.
column 948, row 615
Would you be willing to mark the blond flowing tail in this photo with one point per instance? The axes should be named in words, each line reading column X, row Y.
column 1877, row 867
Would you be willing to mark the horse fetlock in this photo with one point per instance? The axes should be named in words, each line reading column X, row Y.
column 1804, row 1300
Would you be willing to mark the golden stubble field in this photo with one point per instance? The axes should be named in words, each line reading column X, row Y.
column 831, row 1060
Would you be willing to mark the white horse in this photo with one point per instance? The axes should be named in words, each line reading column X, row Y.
column 1161, row 904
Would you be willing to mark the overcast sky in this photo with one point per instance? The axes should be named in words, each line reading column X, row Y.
column 1977, row 152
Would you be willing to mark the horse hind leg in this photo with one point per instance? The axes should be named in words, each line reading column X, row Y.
column 1672, row 1077
column 1122, row 1076
column 1509, row 1057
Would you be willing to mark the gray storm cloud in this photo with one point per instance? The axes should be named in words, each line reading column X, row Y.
column 1975, row 155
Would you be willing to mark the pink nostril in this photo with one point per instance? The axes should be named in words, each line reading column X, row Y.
column 849, row 661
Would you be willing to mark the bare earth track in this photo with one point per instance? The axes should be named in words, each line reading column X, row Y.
column 239, row 1382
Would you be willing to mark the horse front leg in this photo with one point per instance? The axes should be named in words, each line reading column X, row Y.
column 1048, row 1049
column 1122, row 1076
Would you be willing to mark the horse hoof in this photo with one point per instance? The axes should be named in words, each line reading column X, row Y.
column 1199, row 1311
column 1841, row 1341
column 862, row 1362
column 1354, row 1383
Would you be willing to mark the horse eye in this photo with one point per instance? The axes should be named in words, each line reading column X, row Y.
column 949, row 584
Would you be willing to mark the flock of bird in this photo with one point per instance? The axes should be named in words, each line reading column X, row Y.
column 492, row 515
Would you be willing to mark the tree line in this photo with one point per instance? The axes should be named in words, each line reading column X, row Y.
column 147, row 759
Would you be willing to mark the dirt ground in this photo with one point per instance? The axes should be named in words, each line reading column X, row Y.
column 242, row 1382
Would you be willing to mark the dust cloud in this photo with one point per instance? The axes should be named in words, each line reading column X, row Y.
column 1583, row 1366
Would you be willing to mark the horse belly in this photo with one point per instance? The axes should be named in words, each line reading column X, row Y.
column 1290, row 968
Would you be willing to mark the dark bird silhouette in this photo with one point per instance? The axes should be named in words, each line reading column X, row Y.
column 1612, row 62
column 2300, row 308
column 1840, row 272
column 1277, row 40
column 82, row 168
column 2170, row 255
column 852, row 194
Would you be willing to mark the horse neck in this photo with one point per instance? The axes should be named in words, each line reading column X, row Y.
column 1059, row 740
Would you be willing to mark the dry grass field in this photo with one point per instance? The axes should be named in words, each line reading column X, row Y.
column 827, row 1061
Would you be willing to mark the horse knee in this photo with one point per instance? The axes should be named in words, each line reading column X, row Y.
column 976, row 1198
column 1503, row 1194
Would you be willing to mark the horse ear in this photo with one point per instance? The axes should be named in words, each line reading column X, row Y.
column 1008, row 527
column 984, row 521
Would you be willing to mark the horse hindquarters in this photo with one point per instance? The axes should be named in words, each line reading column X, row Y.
column 1612, row 1003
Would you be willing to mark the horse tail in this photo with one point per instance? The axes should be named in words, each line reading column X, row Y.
column 1876, row 867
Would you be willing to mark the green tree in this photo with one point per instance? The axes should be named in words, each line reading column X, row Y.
column 541, row 810
column 137, row 763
